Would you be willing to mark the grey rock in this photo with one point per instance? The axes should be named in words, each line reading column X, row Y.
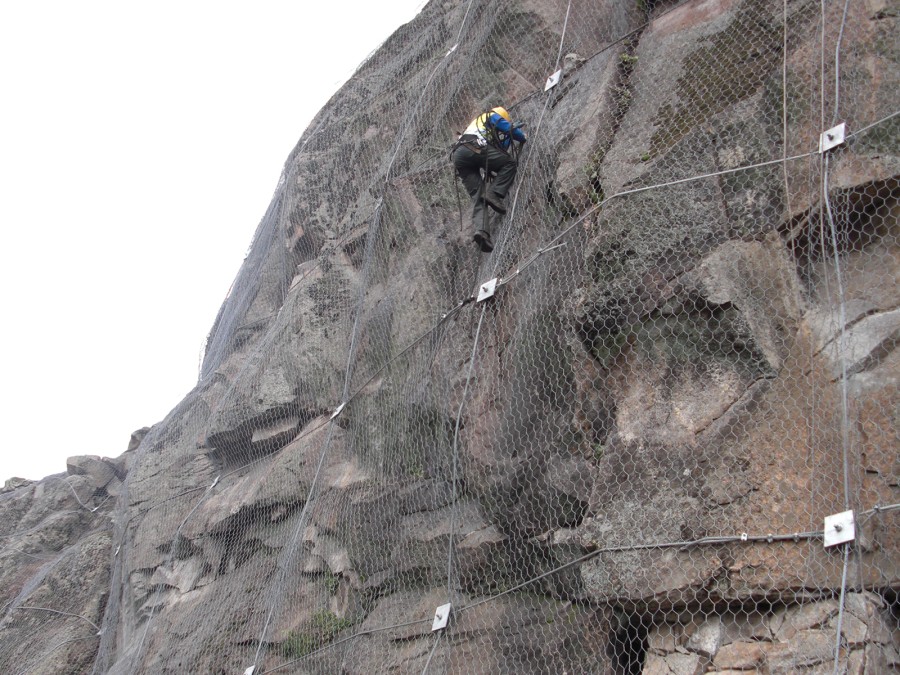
column 806, row 648
column 741, row 655
column 760, row 280
column 863, row 341
column 98, row 471
column 871, row 615
column 853, row 629
column 803, row 617
column 674, row 664
column 662, row 639
column 707, row 639
column 892, row 655
column 15, row 483
column 136, row 437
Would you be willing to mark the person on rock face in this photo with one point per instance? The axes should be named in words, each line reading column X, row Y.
column 485, row 144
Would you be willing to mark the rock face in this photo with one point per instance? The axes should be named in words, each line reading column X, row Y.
column 619, row 463
column 54, row 572
column 797, row 638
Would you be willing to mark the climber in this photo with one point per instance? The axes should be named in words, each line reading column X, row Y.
column 485, row 144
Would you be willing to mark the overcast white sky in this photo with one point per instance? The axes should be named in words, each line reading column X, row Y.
column 140, row 143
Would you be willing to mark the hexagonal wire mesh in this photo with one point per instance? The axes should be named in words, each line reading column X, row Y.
column 622, row 460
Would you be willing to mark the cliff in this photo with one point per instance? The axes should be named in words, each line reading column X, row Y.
column 619, row 462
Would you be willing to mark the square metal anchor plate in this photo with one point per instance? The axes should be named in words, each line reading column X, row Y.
column 553, row 80
column 832, row 137
column 839, row 528
column 487, row 289
column 441, row 617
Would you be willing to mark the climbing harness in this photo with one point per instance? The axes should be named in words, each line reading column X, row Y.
column 481, row 132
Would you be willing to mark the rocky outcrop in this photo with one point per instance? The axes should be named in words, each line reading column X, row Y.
column 796, row 638
column 54, row 567
column 619, row 463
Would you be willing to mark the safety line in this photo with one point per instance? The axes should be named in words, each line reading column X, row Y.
column 527, row 263
column 849, row 134
column 837, row 64
column 369, row 252
column 784, row 116
column 839, row 628
column 842, row 319
column 769, row 538
column 44, row 557
column 310, row 431
column 56, row 611
column 437, row 641
column 742, row 538
column 552, row 244
column 374, row 230
column 683, row 545
column 475, row 343
column 35, row 528
column 884, row 119
column 77, row 498
column 462, row 403
column 562, row 37
column 822, row 64
column 463, row 22
column 709, row 541
column 288, row 553
column 497, row 255
column 878, row 510
column 165, row 501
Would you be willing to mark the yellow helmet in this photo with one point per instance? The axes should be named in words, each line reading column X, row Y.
column 502, row 112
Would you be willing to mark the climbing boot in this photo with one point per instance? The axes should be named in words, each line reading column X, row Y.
column 495, row 201
column 483, row 239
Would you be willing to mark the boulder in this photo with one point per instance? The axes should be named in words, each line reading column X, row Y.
column 99, row 472
column 15, row 483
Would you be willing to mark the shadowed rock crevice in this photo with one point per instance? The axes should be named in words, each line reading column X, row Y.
column 860, row 214
column 866, row 231
column 256, row 438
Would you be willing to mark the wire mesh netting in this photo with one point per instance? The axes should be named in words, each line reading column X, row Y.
column 620, row 460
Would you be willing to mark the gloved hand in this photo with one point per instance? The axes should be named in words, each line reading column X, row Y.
column 518, row 127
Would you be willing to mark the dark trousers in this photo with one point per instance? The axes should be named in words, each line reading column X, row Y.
column 469, row 165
